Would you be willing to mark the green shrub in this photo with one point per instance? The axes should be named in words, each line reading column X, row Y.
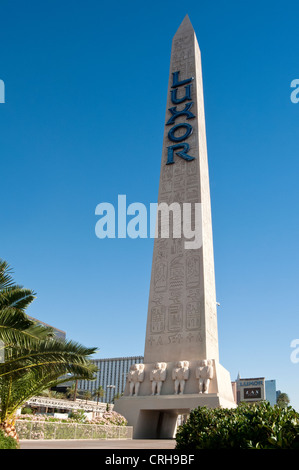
column 7, row 442
column 78, row 415
column 26, row 411
column 259, row 426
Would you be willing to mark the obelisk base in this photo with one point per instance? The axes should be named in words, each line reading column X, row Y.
column 155, row 417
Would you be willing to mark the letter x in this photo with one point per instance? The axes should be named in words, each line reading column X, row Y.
column 185, row 112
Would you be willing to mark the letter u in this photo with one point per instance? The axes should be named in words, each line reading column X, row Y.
column 187, row 96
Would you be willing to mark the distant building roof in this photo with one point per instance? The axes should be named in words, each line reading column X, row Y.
column 59, row 333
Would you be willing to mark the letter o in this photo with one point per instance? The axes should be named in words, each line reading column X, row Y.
column 172, row 137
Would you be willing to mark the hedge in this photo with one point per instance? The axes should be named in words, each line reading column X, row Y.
column 259, row 426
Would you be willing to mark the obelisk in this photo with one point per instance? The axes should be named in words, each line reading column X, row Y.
column 181, row 368
column 182, row 317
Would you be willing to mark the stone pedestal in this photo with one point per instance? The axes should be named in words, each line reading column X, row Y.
column 155, row 417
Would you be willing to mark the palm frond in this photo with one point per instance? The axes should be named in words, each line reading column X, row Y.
column 6, row 279
column 16, row 297
column 57, row 356
column 17, row 329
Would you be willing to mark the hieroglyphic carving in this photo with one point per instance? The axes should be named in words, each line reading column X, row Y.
column 176, row 275
column 161, row 250
column 192, row 310
column 192, row 315
column 175, row 339
column 175, row 296
column 155, row 341
column 151, row 340
column 193, row 294
column 189, row 338
column 177, row 246
column 192, row 271
column 160, row 276
column 175, row 317
column 199, row 338
column 175, row 311
column 158, row 312
column 161, row 265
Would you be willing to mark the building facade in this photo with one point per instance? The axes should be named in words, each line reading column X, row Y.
column 251, row 390
column 111, row 375
column 256, row 389
column 271, row 393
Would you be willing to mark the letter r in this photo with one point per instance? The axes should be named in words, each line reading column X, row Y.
column 183, row 154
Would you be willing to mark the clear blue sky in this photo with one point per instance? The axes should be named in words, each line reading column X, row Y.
column 86, row 86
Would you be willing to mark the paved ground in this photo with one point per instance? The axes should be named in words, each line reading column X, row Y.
column 100, row 444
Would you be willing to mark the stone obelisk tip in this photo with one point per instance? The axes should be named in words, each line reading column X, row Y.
column 185, row 26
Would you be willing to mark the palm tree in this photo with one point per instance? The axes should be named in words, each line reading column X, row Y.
column 99, row 393
column 87, row 395
column 72, row 391
column 33, row 358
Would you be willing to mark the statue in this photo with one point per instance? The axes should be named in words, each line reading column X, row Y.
column 204, row 373
column 135, row 377
column 157, row 377
column 180, row 374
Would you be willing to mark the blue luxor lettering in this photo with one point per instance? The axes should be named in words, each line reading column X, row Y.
column 183, row 154
column 175, row 113
column 187, row 96
column 176, row 82
column 184, row 125
column 184, row 112
column 256, row 382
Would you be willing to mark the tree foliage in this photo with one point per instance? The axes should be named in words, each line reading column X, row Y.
column 99, row 393
column 34, row 359
column 283, row 400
